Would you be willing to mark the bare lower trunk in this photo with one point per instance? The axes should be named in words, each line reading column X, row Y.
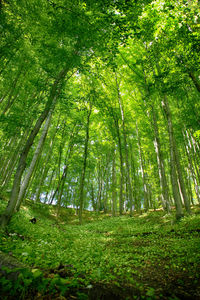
column 121, row 195
column 192, row 171
column 82, row 181
column 13, row 161
column 114, row 183
column 64, row 175
column 174, row 179
column 49, row 185
column 128, row 178
column 135, row 176
column 94, row 204
column 6, row 216
column 161, row 166
column 142, row 164
column 33, row 162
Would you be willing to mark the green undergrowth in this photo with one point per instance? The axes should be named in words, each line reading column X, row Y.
column 148, row 256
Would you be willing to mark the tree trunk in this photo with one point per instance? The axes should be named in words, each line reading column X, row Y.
column 105, row 204
column 82, row 181
column 174, row 179
column 6, row 216
column 34, row 160
column 146, row 204
column 49, row 185
column 64, row 176
column 114, row 184
column 192, row 169
column 94, row 204
column 128, row 178
column 44, row 172
column 121, row 195
column 161, row 166
column 193, row 149
column 181, row 180
column 13, row 161
column 135, row 176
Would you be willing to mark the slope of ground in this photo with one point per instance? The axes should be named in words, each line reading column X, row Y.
column 148, row 256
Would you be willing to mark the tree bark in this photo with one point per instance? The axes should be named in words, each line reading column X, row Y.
column 174, row 179
column 6, row 216
column 82, row 181
column 49, row 185
column 128, row 178
column 33, row 162
column 146, row 204
column 121, row 195
column 192, row 169
column 161, row 166
column 64, row 175
column 13, row 161
column 114, row 183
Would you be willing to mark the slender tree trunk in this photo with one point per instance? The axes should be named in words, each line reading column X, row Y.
column 6, row 216
column 128, row 178
column 146, row 204
column 181, row 180
column 192, row 169
column 44, row 172
column 34, row 160
column 174, row 179
column 137, row 202
column 189, row 186
column 82, row 181
column 193, row 150
column 121, row 195
column 33, row 182
column 114, row 184
column 51, row 198
column 161, row 166
column 99, row 196
column 105, row 205
column 49, row 185
column 61, row 181
column 94, row 204
column 13, row 161
column 64, row 175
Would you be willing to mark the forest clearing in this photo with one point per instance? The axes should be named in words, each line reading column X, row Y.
column 99, row 149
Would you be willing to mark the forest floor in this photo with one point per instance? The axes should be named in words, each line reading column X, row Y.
column 148, row 256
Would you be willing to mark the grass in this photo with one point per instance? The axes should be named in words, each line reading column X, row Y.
column 148, row 256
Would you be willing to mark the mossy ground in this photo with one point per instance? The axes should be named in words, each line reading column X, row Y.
column 148, row 256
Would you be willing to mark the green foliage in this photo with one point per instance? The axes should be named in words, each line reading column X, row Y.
column 123, row 59
column 120, row 251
